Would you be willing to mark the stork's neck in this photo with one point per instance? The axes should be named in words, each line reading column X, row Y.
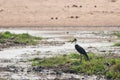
column 75, row 42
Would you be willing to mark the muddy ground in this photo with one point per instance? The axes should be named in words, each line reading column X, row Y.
column 14, row 62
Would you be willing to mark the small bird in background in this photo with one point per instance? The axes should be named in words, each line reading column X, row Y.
column 80, row 50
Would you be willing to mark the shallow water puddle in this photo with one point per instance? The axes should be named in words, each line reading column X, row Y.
column 61, row 36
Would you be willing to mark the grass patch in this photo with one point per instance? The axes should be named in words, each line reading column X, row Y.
column 117, row 44
column 2, row 79
column 117, row 34
column 97, row 64
column 51, row 62
column 24, row 38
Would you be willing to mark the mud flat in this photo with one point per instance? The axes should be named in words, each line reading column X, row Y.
column 14, row 61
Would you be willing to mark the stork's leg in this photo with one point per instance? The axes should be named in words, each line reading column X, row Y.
column 80, row 58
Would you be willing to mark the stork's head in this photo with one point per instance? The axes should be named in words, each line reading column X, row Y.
column 74, row 40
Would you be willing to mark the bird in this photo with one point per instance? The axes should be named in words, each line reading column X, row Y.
column 80, row 50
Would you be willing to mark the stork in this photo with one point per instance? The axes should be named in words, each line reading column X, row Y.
column 80, row 50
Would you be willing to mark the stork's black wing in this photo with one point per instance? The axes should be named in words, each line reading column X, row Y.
column 81, row 50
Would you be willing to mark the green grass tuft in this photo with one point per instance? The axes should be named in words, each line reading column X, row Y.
column 118, row 35
column 51, row 62
column 24, row 38
column 117, row 44
column 2, row 79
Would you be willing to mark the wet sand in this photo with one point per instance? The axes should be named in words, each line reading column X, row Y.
column 65, row 28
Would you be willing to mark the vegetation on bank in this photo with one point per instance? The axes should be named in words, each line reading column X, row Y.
column 117, row 44
column 118, row 35
column 2, row 79
column 11, row 38
column 98, row 65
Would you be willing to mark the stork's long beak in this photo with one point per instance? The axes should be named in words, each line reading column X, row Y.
column 73, row 41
